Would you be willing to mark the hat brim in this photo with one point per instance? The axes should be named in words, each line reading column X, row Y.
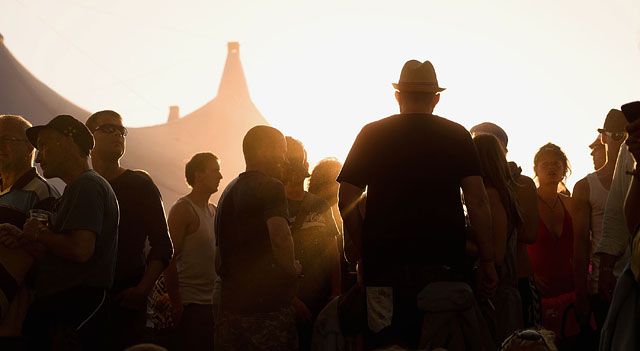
column 33, row 132
column 417, row 88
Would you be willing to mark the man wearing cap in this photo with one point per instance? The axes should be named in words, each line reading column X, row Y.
column 589, row 201
column 527, row 194
column 414, row 231
column 314, row 235
column 80, row 243
column 141, row 218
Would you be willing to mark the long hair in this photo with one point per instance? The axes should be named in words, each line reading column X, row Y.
column 497, row 175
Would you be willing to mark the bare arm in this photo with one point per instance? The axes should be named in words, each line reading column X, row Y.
column 179, row 220
column 282, row 244
column 581, row 215
column 348, row 197
column 527, row 197
column 333, row 255
column 76, row 246
column 477, row 201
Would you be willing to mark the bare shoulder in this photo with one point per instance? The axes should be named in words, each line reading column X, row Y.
column 181, row 211
column 581, row 190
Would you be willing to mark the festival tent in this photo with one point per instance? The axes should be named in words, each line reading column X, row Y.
column 162, row 150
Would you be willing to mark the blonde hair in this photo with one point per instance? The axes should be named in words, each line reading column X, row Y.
column 546, row 342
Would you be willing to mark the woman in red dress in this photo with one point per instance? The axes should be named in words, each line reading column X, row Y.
column 551, row 255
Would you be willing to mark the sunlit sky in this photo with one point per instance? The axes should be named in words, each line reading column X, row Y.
column 544, row 70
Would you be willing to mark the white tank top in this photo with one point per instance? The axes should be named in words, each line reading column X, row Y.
column 598, row 200
column 196, row 262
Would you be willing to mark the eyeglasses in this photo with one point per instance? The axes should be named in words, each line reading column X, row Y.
column 616, row 136
column 110, row 128
column 528, row 335
column 6, row 139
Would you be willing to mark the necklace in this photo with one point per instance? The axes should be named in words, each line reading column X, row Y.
column 555, row 203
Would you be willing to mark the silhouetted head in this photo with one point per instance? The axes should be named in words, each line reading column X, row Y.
column 493, row 129
column 297, row 166
column 265, row 150
column 323, row 179
column 16, row 153
column 550, row 164
column 417, row 88
column 62, row 142
column 613, row 133
column 109, row 134
column 203, row 172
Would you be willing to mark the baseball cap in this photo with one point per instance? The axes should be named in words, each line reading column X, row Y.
column 65, row 125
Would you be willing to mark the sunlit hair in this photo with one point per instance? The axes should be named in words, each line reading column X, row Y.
column 197, row 163
column 19, row 120
column 497, row 174
column 258, row 141
column 553, row 150
column 516, row 343
column 324, row 175
column 92, row 121
column 297, row 165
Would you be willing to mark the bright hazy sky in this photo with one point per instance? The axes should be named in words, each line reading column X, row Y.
column 544, row 70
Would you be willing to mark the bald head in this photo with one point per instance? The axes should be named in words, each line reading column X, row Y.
column 265, row 150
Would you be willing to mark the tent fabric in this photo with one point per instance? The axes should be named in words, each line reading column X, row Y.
column 162, row 150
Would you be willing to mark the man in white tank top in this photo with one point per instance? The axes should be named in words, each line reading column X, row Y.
column 589, row 198
column 191, row 273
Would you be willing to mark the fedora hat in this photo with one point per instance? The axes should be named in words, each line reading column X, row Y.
column 417, row 76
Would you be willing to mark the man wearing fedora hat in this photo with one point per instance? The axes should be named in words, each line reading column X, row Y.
column 79, row 242
column 589, row 201
column 414, row 230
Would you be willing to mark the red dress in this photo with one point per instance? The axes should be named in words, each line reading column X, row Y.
column 552, row 259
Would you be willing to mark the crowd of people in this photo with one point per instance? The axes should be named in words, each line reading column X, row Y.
column 410, row 245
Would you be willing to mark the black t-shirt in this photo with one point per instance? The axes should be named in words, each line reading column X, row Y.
column 252, row 280
column 314, row 234
column 141, row 217
column 413, row 165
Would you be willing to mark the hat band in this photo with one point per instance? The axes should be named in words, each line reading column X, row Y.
column 418, row 83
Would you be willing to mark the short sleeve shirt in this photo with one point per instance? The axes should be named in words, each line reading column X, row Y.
column 252, row 281
column 86, row 204
column 314, row 234
column 412, row 166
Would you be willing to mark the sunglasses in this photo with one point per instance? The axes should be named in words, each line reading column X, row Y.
column 110, row 128
column 616, row 136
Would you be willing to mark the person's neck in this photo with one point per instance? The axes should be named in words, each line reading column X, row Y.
column 108, row 169
column 200, row 197
column 74, row 170
column 548, row 191
column 408, row 109
column 11, row 176
column 295, row 190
